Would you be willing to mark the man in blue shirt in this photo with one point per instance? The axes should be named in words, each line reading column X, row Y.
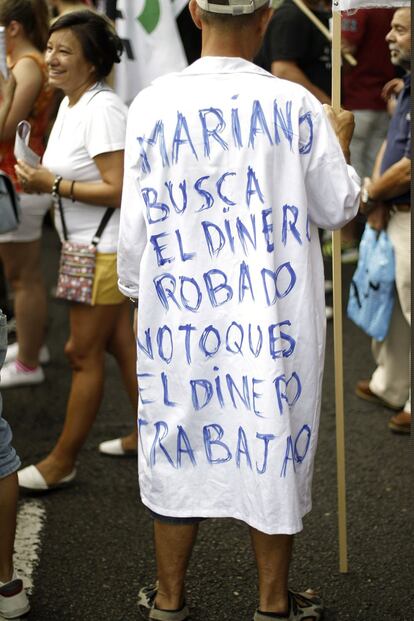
column 386, row 200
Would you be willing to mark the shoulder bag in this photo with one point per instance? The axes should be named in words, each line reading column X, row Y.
column 78, row 263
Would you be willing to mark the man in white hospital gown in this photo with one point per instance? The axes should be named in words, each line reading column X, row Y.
column 229, row 172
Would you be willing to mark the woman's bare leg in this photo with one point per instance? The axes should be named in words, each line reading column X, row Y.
column 22, row 267
column 91, row 328
column 122, row 346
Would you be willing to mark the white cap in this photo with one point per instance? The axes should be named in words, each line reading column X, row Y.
column 231, row 7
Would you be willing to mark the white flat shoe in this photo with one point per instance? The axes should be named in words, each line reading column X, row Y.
column 31, row 479
column 115, row 448
column 13, row 348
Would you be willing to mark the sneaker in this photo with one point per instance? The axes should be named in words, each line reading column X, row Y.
column 12, row 375
column 13, row 598
column 305, row 605
column 146, row 605
column 13, row 348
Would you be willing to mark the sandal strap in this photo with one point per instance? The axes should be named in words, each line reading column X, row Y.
column 146, row 605
column 170, row 615
column 306, row 606
column 260, row 616
column 147, row 595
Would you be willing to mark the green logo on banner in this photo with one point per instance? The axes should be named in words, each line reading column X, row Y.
column 150, row 16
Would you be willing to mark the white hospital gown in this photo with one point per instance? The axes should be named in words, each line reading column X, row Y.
column 228, row 173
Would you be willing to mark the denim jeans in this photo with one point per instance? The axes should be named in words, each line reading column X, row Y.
column 9, row 461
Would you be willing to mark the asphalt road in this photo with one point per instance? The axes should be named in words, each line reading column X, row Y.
column 96, row 545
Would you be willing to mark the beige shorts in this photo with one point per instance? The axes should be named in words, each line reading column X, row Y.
column 32, row 213
column 105, row 283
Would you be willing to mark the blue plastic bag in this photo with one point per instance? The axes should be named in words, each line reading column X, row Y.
column 372, row 292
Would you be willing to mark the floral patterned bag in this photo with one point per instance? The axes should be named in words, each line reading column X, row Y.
column 77, row 263
column 76, row 272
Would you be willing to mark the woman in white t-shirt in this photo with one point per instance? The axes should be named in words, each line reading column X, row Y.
column 83, row 164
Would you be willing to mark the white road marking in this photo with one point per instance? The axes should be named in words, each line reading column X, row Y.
column 30, row 521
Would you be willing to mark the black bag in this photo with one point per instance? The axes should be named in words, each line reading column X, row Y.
column 9, row 205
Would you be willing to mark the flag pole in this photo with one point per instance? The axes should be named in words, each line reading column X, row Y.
column 338, row 330
column 323, row 29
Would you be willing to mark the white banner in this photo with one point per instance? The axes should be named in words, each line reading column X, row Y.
column 178, row 6
column 347, row 5
column 152, row 44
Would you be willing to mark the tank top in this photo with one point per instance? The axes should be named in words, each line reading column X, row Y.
column 38, row 119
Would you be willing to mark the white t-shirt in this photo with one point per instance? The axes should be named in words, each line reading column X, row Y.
column 94, row 125
column 228, row 173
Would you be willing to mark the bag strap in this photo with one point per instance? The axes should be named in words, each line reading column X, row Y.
column 105, row 219
column 62, row 218
column 11, row 192
column 108, row 213
column 101, row 90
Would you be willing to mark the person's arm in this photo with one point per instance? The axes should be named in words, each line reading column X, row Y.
column 332, row 186
column 106, row 192
column 7, row 89
column 29, row 80
column 390, row 94
column 378, row 161
column 343, row 124
column 132, row 238
column 289, row 70
column 393, row 182
column 377, row 213
column 353, row 28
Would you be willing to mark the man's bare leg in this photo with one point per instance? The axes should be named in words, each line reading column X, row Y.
column 273, row 554
column 173, row 546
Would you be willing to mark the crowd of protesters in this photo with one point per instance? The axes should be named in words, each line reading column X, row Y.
column 67, row 49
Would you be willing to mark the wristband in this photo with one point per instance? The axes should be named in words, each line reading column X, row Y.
column 366, row 201
column 55, row 186
column 365, row 195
